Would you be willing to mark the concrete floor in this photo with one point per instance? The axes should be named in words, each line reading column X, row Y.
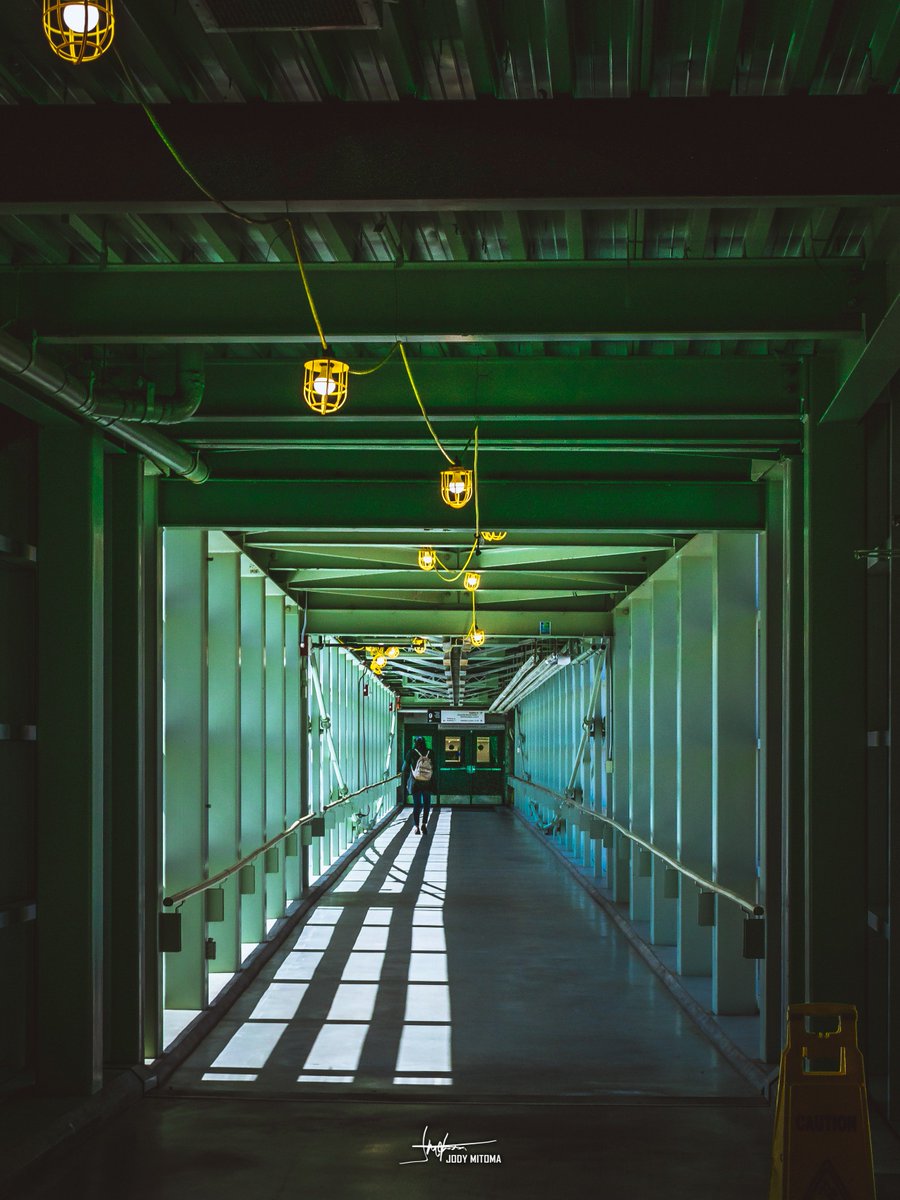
column 530, row 1025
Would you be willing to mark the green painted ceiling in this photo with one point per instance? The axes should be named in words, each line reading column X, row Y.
column 627, row 240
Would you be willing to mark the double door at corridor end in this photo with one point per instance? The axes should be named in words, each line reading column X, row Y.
column 470, row 763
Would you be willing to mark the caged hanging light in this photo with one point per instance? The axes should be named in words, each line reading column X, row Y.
column 456, row 486
column 496, row 535
column 392, row 652
column 79, row 32
column 420, row 645
column 325, row 382
column 476, row 636
column 427, row 558
column 472, row 581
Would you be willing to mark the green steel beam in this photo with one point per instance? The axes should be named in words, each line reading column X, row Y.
column 877, row 364
column 446, row 302
column 519, row 506
column 401, row 622
column 511, row 390
column 660, row 151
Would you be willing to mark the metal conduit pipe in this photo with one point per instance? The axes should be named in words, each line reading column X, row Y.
column 522, row 670
column 542, row 672
column 54, row 381
column 147, row 407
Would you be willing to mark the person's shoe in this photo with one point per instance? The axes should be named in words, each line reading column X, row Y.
column 415, row 828
column 423, row 827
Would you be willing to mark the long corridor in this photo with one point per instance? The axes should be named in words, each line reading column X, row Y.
column 419, row 1003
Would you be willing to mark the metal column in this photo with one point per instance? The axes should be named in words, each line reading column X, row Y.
column 639, row 755
column 126, row 748
column 695, row 722
column 663, row 753
column 70, row 762
column 253, row 747
column 185, row 791
column 734, row 794
column 619, row 874
column 225, row 747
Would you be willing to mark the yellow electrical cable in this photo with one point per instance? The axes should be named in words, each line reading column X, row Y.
column 379, row 365
column 312, row 306
column 412, row 382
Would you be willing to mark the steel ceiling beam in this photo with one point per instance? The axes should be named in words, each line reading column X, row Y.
column 398, row 623
column 523, row 505
column 639, row 152
column 512, row 390
column 443, row 302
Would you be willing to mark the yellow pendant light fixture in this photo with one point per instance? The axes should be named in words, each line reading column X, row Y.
column 472, row 581
column 325, row 382
column 420, row 645
column 476, row 636
column 456, row 486
column 427, row 558
column 79, row 32
column 392, row 652
column 493, row 535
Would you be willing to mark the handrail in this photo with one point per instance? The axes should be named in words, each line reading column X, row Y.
column 186, row 893
column 368, row 787
column 755, row 910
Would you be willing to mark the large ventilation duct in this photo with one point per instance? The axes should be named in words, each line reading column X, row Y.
column 54, row 381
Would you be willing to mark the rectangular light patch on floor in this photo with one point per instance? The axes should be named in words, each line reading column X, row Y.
column 427, row 968
column 251, row 1046
column 337, row 1048
column 424, row 1048
column 378, row 916
column 427, row 916
column 325, row 916
column 279, row 1002
column 353, row 1002
column 426, row 937
column 299, row 965
column 427, row 1002
column 225, row 1078
column 314, row 937
column 372, row 938
column 363, row 966
column 308, row 1078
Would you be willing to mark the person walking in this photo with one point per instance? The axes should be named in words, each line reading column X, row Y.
column 418, row 770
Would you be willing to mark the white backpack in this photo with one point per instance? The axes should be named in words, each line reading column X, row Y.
column 422, row 770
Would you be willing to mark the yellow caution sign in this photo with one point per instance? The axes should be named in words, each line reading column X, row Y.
column 822, row 1147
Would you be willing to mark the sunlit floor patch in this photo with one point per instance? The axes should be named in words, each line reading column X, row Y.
column 353, row 1002
column 251, row 1046
column 363, row 966
column 322, row 1078
column 279, row 1002
column 427, row 1080
column 372, row 938
column 428, row 968
column 337, row 1048
column 175, row 1021
column 213, row 1077
column 378, row 916
column 427, row 1002
column 299, row 964
column 218, row 980
column 424, row 1048
column 323, row 915
column 428, row 937
column 314, row 937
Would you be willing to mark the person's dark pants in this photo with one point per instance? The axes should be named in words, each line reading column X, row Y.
column 421, row 804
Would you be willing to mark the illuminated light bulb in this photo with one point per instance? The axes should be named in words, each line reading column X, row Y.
column 420, row 645
column 477, row 636
column 472, row 581
column 380, row 661
column 392, row 651
column 324, row 386
column 73, row 17
column 427, row 558
column 374, row 667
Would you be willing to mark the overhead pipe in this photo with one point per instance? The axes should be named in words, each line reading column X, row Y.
column 522, row 670
column 55, row 382
column 147, row 407
column 543, row 670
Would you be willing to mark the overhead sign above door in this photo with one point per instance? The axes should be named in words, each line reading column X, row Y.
column 454, row 716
